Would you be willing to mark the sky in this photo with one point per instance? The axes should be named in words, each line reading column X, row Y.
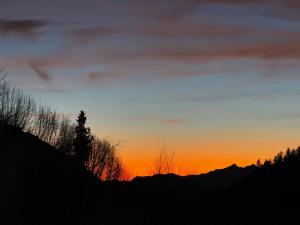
column 215, row 81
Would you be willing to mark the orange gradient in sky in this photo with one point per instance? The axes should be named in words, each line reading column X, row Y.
column 204, row 157
column 200, row 149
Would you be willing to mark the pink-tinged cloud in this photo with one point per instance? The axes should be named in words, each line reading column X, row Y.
column 87, row 35
column 179, row 47
column 172, row 121
column 166, row 30
column 98, row 75
column 174, row 10
column 267, row 50
column 290, row 3
column 162, row 120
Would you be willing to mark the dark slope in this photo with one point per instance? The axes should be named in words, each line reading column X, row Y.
column 250, row 195
column 38, row 184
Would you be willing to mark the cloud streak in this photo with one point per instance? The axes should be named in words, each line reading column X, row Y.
column 36, row 67
column 87, row 35
column 162, row 38
column 99, row 75
column 162, row 120
column 21, row 28
column 172, row 121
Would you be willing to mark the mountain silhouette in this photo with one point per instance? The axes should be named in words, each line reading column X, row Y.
column 219, row 178
column 39, row 185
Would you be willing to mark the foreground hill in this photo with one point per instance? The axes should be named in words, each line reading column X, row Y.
column 41, row 186
column 38, row 184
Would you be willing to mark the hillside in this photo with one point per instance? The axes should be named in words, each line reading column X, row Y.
column 42, row 186
column 38, row 184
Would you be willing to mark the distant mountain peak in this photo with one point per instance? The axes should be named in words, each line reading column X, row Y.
column 233, row 166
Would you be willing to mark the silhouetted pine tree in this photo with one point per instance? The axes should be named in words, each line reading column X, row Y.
column 83, row 140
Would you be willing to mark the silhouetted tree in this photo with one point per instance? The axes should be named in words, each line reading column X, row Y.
column 278, row 159
column 20, row 110
column 16, row 108
column 267, row 164
column 66, row 136
column 163, row 163
column 258, row 163
column 46, row 124
column 83, row 139
column 104, row 161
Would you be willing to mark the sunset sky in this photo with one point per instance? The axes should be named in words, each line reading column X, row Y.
column 215, row 81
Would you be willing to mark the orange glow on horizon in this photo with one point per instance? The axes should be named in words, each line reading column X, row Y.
column 203, row 159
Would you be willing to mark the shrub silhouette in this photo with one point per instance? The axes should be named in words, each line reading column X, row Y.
column 163, row 163
column 166, row 162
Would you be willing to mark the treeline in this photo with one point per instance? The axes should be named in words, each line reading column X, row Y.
column 290, row 157
column 21, row 111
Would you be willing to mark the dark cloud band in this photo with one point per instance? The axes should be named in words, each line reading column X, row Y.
column 21, row 27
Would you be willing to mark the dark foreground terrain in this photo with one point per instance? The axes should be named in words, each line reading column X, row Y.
column 41, row 186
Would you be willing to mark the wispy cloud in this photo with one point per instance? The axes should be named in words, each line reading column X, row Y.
column 21, row 28
column 87, row 35
column 162, row 120
column 98, row 75
column 162, row 38
column 36, row 67
column 172, row 121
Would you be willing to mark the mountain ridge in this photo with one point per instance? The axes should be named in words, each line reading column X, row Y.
column 40, row 186
column 218, row 178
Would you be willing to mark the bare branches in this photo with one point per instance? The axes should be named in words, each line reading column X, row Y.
column 165, row 162
column 16, row 108
column 3, row 75
column 46, row 124
column 20, row 110
column 65, row 138
column 104, row 161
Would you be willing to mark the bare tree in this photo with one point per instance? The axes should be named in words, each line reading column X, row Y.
column 163, row 163
column 65, row 138
column 16, row 107
column 104, row 161
column 98, row 156
column 46, row 124
column 20, row 110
